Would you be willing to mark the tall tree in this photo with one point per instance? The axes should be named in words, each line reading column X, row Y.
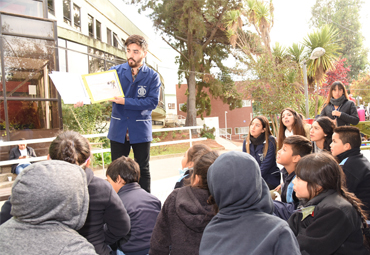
column 361, row 87
column 345, row 16
column 195, row 29
column 339, row 73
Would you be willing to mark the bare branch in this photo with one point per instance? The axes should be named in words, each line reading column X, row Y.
column 175, row 49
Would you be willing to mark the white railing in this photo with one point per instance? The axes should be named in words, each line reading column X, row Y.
column 241, row 131
column 223, row 133
column 50, row 139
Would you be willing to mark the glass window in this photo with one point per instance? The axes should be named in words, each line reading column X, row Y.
column 23, row 7
column 171, row 106
column 77, row 17
column 51, row 6
column 27, row 26
column 115, row 42
column 27, row 62
column 109, row 36
column 98, row 30
column 96, row 61
column 90, row 20
column 246, row 103
column 67, row 11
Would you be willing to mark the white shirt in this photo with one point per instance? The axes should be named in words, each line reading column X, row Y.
column 288, row 133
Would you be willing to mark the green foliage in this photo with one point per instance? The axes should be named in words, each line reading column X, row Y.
column 345, row 16
column 325, row 37
column 311, row 105
column 173, row 135
column 361, row 87
column 207, row 132
column 195, row 29
column 88, row 119
column 98, row 159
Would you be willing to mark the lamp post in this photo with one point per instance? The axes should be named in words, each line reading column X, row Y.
column 316, row 53
column 226, row 124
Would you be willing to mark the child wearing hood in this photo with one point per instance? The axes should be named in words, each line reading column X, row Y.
column 50, row 201
column 244, row 223
column 185, row 213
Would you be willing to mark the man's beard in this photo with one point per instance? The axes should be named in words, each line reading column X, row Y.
column 134, row 63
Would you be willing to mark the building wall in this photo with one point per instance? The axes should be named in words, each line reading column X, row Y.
column 239, row 117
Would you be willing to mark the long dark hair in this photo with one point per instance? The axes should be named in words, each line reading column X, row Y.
column 328, row 127
column 322, row 172
column 71, row 147
column 266, row 126
column 335, row 84
column 298, row 128
column 203, row 160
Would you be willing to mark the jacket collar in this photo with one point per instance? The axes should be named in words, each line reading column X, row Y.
column 349, row 153
column 140, row 75
column 129, row 187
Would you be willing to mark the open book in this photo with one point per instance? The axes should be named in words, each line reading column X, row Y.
column 88, row 88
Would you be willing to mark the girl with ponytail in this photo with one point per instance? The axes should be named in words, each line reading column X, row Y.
column 329, row 219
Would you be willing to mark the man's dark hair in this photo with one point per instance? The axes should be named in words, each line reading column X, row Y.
column 348, row 134
column 300, row 145
column 125, row 167
column 139, row 40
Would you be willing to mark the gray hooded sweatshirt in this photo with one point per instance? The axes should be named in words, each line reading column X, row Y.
column 49, row 202
column 244, row 223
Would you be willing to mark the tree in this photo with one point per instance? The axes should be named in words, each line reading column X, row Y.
column 339, row 73
column 344, row 15
column 361, row 87
column 324, row 37
column 195, row 29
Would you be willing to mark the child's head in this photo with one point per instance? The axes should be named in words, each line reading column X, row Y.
column 122, row 171
column 344, row 139
column 203, row 160
column 290, row 119
column 71, row 147
column 322, row 130
column 188, row 159
column 259, row 125
column 294, row 148
column 316, row 173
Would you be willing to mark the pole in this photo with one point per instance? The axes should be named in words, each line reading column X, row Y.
column 305, row 87
column 226, row 124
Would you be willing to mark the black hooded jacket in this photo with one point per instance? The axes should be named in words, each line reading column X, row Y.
column 181, row 222
column 244, row 223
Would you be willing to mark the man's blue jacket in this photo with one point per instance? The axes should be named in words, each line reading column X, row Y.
column 141, row 97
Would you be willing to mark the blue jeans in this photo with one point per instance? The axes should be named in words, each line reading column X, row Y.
column 20, row 167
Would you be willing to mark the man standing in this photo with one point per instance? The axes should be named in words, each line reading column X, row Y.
column 131, row 125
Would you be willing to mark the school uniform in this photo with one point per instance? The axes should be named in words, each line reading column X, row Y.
column 348, row 111
column 131, row 123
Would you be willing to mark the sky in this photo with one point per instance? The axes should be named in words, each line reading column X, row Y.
column 291, row 25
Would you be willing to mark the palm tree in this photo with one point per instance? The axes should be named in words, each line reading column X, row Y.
column 326, row 37
column 296, row 51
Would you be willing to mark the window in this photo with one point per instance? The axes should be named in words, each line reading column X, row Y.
column 180, row 106
column 77, row 17
column 115, row 42
column 51, row 6
column 123, row 43
column 98, row 30
column 67, row 11
column 171, row 106
column 109, row 36
column 90, row 20
column 246, row 103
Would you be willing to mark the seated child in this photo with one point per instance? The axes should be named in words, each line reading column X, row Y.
column 330, row 219
column 244, row 223
column 185, row 213
column 22, row 151
column 346, row 147
column 187, row 163
column 143, row 208
column 294, row 148
column 50, row 202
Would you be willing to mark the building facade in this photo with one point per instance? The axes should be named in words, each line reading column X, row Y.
column 40, row 36
column 235, row 121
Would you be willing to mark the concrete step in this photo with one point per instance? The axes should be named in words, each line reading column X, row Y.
column 7, row 184
column 4, row 177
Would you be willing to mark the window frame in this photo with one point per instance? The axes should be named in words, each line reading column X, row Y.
column 98, row 30
column 92, row 25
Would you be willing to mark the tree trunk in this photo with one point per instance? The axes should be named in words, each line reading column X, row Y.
column 277, row 125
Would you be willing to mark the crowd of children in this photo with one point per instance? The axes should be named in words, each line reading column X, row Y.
column 234, row 203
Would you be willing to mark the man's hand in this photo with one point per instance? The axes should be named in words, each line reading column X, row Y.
column 78, row 104
column 336, row 113
column 118, row 100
